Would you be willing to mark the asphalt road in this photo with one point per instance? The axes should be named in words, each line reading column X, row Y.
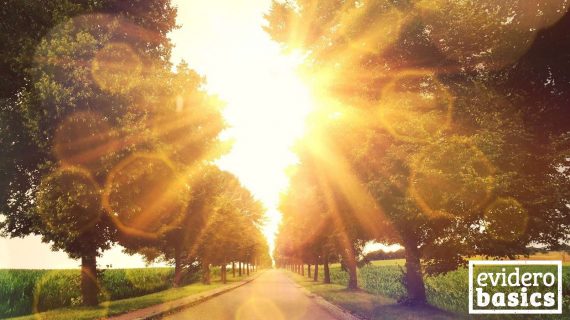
column 272, row 296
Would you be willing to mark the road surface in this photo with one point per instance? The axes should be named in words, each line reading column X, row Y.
column 272, row 295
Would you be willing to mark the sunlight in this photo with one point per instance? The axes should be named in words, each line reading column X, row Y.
column 267, row 102
column 266, row 115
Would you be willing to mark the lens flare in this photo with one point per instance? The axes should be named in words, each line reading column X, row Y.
column 454, row 175
column 116, row 68
column 85, row 139
column 506, row 219
column 509, row 28
column 415, row 106
column 51, row 282
column 77, row 197
column 258, row 308
column 144, row 196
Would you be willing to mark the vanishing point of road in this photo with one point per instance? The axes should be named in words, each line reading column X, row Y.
column 273, row 295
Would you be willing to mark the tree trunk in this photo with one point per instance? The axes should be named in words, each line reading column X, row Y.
column 352, row 275
column 414, row 279
column 223, row 273
column 316, row 273
column 302, row 269
column 234, row 269
column 205, row 273
column 89, row 287
column 177, row 266
column 240, row 266
column 327, row 275
column 247, row 268
column 308, row 270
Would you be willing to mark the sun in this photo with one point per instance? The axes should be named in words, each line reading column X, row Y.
column 266, row 114
column 267, row 102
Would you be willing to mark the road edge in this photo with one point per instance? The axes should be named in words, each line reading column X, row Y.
column 335, row 310
column 160, row 310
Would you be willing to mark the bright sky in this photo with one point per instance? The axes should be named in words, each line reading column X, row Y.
column 266, row 108
column 266, row 102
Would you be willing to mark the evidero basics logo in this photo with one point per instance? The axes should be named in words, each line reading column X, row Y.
column 515, row 287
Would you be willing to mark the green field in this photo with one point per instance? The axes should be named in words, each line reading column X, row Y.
column 448, row 291
column 25, row 291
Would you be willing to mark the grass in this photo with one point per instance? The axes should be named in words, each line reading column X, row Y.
column 25, row 291
column 111, row 308
column 368, row 305
column 395, row 262
column 551, row 255
column 383, row 280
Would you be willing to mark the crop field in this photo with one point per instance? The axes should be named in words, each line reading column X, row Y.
column 447, row 291
column 25, row 291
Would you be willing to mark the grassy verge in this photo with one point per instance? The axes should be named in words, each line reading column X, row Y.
column 368, row 305
column 111, row 308
column 22, row 291
column 448, row 292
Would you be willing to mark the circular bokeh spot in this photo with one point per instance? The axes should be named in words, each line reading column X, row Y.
column 506, row 219
column 259, row 308
column 116, row 68
column 451, row 178
column 68, row 202
column 85, row 139
column 57, row 288
column 365, row 35
column 144, row 196
column 104, row 52
column 415, row 106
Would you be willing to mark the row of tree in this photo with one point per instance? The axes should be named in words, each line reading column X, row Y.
column 103, row 143
column 442, row 126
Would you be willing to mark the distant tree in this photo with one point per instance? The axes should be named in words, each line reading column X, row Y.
column 231, row 227
column 186, row 134
column 383, row 255
column 322, row 212
column 220, row 224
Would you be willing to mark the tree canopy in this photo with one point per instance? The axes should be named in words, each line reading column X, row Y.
column 105, row 141
column 451, row 133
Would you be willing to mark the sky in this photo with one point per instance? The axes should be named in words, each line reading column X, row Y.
column 267, row 102
column 222, row 40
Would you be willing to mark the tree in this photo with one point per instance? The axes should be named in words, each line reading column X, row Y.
column 68, row 202
column 230, row 229
column 325, row 212
column 435, row 123
column 74, row 110
column 220, row 224
column 186, row 135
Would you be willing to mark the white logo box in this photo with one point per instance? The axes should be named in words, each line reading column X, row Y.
column 558, row 265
